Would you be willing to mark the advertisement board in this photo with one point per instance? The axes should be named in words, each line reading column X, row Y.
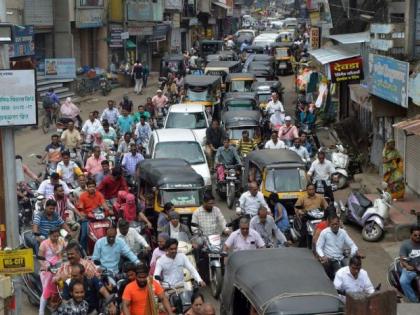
column 16, row 261
column 60, row 68
column 115, row 40
column 314, row 38
column 388, row 79
column 18, row 105
column 347, row 70
column 23, row 41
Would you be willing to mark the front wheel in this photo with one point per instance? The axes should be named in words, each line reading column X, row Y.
column 216, row 278
column 230, row 195
column 372, row 232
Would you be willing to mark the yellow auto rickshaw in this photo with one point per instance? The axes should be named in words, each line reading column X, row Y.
column 283, row 57
column 237, row 121
column 170, row 180
column 239, row 82
column 279, row 171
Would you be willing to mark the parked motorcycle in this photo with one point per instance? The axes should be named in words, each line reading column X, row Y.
column 371, row 216
column 230, row 186
column 105, row 86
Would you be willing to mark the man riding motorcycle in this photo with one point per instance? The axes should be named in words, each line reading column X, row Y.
column 410, row 262
column 246, row 144
column 68, row 169
column 251, row 200
column 53, row 153
column 174, row 227
column 321, row 170
column 225, row 155
column 265, row 225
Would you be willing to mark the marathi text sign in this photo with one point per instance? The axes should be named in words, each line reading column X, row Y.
column 17, row 98
column 60, row 68
column 16, row 261
column 388, row 79
column 346, row 70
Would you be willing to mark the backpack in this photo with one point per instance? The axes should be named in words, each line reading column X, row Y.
column 47, row 101
column 138, row 71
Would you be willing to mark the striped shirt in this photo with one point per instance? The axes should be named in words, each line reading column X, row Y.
column 45, row 224
column 245, row 147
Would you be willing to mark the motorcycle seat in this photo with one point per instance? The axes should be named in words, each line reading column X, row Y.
column 363, row 200
column 360, row 211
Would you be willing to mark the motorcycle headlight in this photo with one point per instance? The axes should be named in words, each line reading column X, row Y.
column 232, row 172
column 316, row 214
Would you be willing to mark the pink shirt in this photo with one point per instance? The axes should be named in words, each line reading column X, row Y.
column 93, row 165
column 288, row 133
column 159, row 102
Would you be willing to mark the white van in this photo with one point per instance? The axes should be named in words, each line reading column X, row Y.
column 266, row 39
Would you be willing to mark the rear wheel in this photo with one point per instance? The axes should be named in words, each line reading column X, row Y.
column 372, row 232
column 216, row 278
column 230, row 195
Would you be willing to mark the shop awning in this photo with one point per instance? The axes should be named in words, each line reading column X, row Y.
column 410, row 126
column 331, row 54
column 351, row 38
column 221, row 4
column 130, row 45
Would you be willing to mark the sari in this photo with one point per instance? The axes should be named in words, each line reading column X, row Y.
column 393, row 170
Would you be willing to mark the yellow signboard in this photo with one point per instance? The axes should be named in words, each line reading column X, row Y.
column 16, row 261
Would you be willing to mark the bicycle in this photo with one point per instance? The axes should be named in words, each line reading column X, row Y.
column 50, row 118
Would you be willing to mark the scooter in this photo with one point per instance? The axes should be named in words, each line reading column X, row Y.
column 314, row 217
column 179, row 295
column 230, row 186
column 371, row 216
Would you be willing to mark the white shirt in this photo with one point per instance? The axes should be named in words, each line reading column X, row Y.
column 302, row 152
column 251, row 204
column 174, row 231
column 344, row 281
column 67, row 171
column 271, row 145
column 133, row 239
column 321, row 171
column 273, row 106
column 47, row 189
column 172, row 270
column 111, row 115
column 90, row 128
column 332, row 245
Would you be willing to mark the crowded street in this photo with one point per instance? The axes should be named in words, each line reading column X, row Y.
column 242, row 159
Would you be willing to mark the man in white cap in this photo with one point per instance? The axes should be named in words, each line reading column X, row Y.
column 288, row 132
column 159, row 101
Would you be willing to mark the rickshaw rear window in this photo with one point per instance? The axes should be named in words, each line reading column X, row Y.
column 180, row 198
column 240, row 105
column 198, row 94
column 282, row 52
column 186, row 120
column 237, row 133
column 241, row 86
column 285, row 180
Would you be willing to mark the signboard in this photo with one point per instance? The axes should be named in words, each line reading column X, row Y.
column 18, row 105
column 16, row 261
column 115, row 36
column 414, row 88
column 90, row 18
column 125, row 35
column 23, row 41
column 388, row 79
column 314, row 38
column 38, row 12
column 60, row 68
column 145, row 11
column 346, row 70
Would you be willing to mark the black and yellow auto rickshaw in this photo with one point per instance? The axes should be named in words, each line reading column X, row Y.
column 172, row 64
column 210, row 47
column 170, row 180
column 264, row 91
column 204, row 90
column 236, row 121
column 254, row 283
column 222, row 68
column 239, row 82
column 277, row 171
column 283, row 57
column 236, row 101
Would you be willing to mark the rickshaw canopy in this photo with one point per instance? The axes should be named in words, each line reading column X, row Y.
column 271, row 86
column 273, row 290
column 241, row 118
column 243, row 76
column 274, row 158
column 202, row 80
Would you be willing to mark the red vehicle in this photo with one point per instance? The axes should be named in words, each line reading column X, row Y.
column 98, row 224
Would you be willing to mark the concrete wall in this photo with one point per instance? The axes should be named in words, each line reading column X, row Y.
column 14, row 11
column 63, row 38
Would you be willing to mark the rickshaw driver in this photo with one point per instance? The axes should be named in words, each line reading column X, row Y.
column 246, row 144
column 225, row 155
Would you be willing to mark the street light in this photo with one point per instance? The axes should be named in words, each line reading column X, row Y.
column 6, row 36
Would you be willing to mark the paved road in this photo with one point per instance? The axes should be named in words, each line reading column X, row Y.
column 30, row 141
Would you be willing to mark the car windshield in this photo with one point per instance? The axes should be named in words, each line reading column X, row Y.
column 186, row 120
column 240, row 105
column 186, row 150
column 241, row 86
column 181, row 198
column 237, row 133
column 198, row 94
column 285, row 180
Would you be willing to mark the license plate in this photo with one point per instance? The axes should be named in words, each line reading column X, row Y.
column 214, row 255
column 100, row 225
column 282, row 65
column 230, row 177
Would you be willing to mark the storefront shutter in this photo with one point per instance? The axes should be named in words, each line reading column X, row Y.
column 412, row 163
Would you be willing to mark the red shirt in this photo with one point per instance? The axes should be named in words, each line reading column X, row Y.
column 109, row 186
column 88, row 202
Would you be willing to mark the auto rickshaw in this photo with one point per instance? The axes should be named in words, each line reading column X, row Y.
column 277, row 171
column 239, row 82
column 170, row 180
column 209, row 47
column 283, row 55
column 263, row 71
column 235, row 101
column 253, row 283
column 204, row 90
column 172, row 64
column 222, row 68
column 264, row 90
column 239, row 120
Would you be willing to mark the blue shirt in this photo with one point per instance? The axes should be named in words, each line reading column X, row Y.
column 45, row 224
column 125, row 123
column 109, row 256
column 283, row 223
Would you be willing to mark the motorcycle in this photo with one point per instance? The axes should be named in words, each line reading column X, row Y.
column 394, row 274
column 313, row 218
column 98, row 223
column 360, row 210
column 27, row 203
column 179, row 295
column 230, row 186
column 213, row 250
column 105, row 86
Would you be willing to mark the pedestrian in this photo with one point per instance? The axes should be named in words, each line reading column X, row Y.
column 138, row 74
column 393, row 168
column 146, row 73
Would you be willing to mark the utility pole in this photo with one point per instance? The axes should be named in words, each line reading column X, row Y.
column 9, row 178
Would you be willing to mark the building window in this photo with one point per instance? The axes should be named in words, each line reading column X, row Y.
column 91, row 3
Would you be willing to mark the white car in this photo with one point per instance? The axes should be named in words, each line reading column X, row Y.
column 180, row 144
column 188, row 116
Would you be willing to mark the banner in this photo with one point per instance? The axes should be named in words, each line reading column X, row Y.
column 60, row 68
column 314, row 38
column 23, row 41
column 347, row 70
column 388, row 79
